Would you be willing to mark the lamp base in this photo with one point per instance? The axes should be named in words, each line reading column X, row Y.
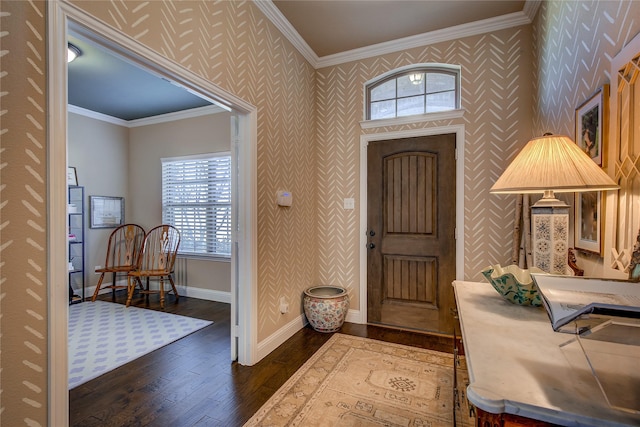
column 550, row 237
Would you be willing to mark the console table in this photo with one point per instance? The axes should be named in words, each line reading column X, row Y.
column 519, row 366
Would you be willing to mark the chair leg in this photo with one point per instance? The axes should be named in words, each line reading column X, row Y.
column 173, row 286
column 131, row 286
column 95, row 293
column 113, row 287
column 161, row 291
column 140, row 285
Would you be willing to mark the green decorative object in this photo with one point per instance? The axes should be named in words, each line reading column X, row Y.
column 514, row 284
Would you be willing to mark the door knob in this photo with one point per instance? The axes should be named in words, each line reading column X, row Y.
column 372, row 245
column 372, row 233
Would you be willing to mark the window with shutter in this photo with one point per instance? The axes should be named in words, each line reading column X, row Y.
column 196, row 199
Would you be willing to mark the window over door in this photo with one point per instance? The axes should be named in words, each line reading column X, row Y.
column 412, row 91
column 196, row 199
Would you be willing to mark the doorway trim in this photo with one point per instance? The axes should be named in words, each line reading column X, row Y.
column 60, row 15
column 385, row 136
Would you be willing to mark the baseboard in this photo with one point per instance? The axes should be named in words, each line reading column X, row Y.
column 206, row 294
column 287, row 331
column 272, row 342
column 187, row 291
column 355, row 316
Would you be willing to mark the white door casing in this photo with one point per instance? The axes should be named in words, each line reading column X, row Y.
column 244, row 260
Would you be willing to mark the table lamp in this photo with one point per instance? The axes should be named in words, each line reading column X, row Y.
column 551, row 164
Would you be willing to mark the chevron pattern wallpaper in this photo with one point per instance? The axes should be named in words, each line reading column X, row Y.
column 308, row 137
column 23, row 215
column 496, row 96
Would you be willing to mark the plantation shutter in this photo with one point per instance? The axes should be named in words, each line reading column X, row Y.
column 196, row 199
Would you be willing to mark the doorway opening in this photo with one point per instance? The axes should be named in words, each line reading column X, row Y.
column 243, row 337
column 365, row 140
column 411, row 249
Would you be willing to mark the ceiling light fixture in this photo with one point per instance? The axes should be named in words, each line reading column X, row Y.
column 72, row 52
column 416, row 78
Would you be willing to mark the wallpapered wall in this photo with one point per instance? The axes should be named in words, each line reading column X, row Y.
column 496, row 97
column 23, row 218
column 233, row 45
column 574, row 43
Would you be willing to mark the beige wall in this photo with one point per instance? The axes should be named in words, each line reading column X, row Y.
column 147, row 146
column 98, row 151
column 113, row 160
column 233, row 45
column 573, row 45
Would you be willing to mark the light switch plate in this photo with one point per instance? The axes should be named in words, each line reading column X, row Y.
column 349, row 203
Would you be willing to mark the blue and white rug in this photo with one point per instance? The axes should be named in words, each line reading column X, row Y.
column 105, row 335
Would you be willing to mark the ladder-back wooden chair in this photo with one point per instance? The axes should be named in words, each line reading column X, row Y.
column 123, row 253
column 157, row 260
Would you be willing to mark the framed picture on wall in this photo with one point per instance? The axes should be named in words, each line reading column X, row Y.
column 588, row 222
column 72, row 176
column 591, row 136
column 591, row 125
column 106, row 212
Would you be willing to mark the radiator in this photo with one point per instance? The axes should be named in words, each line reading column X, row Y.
column 180, row 272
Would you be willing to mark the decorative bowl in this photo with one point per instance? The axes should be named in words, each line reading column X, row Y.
column 514, row 284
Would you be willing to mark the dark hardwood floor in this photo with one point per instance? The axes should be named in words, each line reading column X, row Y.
column 192, row 382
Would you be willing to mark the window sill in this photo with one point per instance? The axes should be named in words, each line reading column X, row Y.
column 429, row 117
column 216, row 258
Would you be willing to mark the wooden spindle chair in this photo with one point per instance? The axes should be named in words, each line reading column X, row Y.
column 156, row 260
column 123, row 253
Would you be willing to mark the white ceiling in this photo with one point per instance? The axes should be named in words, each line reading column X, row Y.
column 326, row 32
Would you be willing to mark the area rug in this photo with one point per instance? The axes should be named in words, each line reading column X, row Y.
column 353, row 381
column 105, row 335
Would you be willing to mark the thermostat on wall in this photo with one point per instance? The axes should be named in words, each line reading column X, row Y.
column 284, row 198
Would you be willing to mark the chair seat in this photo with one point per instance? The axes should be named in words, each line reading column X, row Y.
column 116, row 269
column 145, row 273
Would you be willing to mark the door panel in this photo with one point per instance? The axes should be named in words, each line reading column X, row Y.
column 411, row 219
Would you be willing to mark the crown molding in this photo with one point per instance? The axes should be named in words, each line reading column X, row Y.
column 531, row 8
column 162, row 118
column 277, row 18
column 178, row 115
column 452, row 33
column 95, row 115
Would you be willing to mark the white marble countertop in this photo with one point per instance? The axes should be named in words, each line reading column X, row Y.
column 519, row 365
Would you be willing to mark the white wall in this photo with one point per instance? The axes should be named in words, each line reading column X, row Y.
column 147, row 146
column 99, row 152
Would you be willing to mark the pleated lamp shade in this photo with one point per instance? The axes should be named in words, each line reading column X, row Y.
column 552, row 163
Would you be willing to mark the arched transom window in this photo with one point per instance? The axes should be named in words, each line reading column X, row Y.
column 417, row 90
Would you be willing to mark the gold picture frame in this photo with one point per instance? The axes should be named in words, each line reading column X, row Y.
column 592, row 130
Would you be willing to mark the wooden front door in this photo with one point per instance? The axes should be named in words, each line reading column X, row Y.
column 411, row 232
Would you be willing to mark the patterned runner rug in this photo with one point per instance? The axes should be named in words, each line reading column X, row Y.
column 105, row 335
column 353, row 381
